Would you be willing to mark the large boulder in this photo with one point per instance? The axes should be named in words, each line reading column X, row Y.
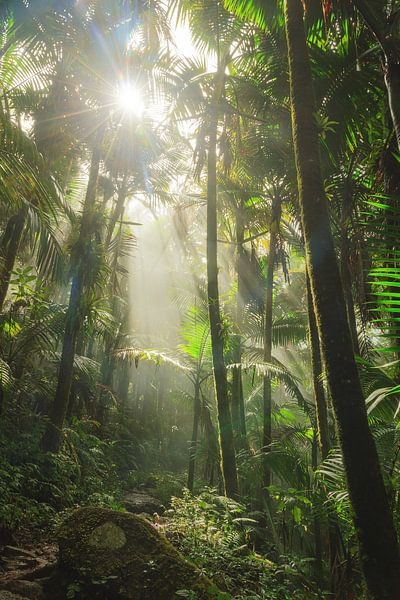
column 111, row 554
column 140, row 502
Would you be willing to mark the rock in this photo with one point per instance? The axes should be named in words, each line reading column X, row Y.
column 5, row 595
column 140, row 502
column 112, row 554
column 28, row 589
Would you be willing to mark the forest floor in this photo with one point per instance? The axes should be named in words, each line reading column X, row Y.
column 202, row 528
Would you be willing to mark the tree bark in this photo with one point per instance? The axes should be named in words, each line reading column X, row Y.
column 372, row 518
column 52, row 437
column 9, row 250
column 228, row 457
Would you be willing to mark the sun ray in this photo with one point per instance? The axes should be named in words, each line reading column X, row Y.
column 129, row 99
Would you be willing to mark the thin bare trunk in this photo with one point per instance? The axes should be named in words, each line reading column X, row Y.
column 228, row 458
column 268, row 315
column 238, row 409
column 316, row 365
column 195, row 432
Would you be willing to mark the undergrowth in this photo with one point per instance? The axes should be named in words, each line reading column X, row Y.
column 216, row 534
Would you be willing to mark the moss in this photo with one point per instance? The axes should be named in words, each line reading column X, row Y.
column 118, row 555
column 108, row 535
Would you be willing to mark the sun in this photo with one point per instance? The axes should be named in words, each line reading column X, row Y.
column 129, row 99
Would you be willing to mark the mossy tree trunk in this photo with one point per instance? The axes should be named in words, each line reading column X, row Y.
column 53, row 434
column 11, row 240
column 228, row 457
column 195, row 433
column 268, row 315
column 372, row 518
column 321, row 409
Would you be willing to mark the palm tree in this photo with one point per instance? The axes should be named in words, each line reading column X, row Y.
column 52, row 437
column 228, row 457
column 217, row 30
column 379, row 548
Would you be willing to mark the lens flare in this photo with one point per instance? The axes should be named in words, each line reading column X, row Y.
column 129, row 99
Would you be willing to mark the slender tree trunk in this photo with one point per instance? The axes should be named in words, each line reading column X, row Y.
column 9, row 250
column 318, row 566
column 345, row 272
column 316, row 365
column 391, row 50
column 228, row 457
column 238, row 409
column 267, row 383
column 80, row 343
column 112, row 340
column 348, row 291
column 193, row 442
column 52, row 437
column 124, row 376
column 321, row 407
column 372, row 518
column 213, row 451
column 117, row 213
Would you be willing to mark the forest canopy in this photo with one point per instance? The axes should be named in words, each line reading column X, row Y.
column 200, row 295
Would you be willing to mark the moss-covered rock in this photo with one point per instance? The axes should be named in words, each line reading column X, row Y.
column 140, row 502
column 110, row 554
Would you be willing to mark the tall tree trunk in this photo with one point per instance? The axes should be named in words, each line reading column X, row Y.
column 195, row 432
column 238, row 409
column 124, row 377
column 212, row 465
column 52, row 437
column 117, row 213
column 345, row 272
column 321, row 407
column 267, row 383
column 318, row 543
column 228, row 457
column 372, row 517
column 9, row 250
column 348, row 290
